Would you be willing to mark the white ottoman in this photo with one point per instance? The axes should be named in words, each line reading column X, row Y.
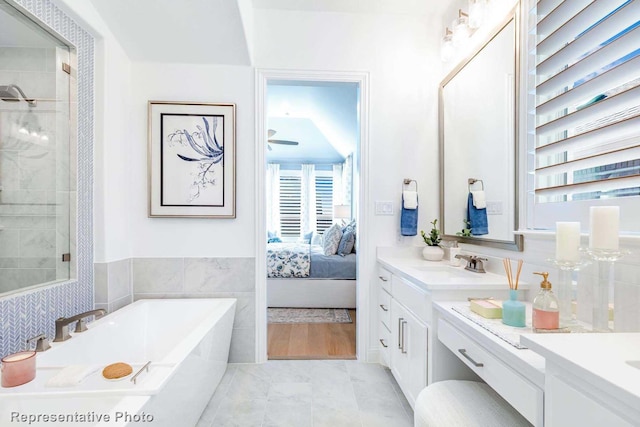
column 464, row 404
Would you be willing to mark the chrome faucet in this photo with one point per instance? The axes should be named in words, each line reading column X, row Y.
column 474, row 263
column 62, row 324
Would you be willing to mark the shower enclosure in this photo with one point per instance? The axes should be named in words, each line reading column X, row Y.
column 36, row 182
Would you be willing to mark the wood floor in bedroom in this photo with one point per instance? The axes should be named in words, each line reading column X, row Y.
column 312, row 340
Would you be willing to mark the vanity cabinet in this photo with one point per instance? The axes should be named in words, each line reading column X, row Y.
column 566, row 404
column 403, row 331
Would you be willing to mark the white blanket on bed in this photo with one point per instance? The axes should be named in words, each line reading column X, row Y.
column 288, row 260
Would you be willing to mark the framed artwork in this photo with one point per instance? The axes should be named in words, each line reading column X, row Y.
column 192, row 159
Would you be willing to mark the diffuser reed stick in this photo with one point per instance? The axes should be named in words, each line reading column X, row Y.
column 506, row 262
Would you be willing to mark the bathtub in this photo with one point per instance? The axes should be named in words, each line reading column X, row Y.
column 186, row 340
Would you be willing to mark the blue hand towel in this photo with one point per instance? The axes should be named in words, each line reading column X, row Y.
column 408, row 221
column 477, row 218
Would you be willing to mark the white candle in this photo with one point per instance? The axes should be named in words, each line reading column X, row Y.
column 568, row 241
column 605, row 227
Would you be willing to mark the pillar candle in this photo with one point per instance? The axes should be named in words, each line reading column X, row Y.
column 18, row 368
column 568, row 241
column 605, row 227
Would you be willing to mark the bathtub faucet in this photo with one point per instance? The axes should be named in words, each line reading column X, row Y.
column 62, row 324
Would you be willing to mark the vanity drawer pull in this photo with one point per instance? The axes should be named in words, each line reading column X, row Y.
column 404, row 350
column 400, row 337
column 384, row 279
column 383, row 307
column 463, row 352
column 383, row 344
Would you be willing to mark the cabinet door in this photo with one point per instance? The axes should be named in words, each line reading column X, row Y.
column 399, row 360
column 409, row 351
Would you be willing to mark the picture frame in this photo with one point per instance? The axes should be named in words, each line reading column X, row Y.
column 192, row 159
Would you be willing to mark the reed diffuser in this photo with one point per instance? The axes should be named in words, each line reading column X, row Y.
column 513, row 311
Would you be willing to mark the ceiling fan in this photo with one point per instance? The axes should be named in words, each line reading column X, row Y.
column 272, row 132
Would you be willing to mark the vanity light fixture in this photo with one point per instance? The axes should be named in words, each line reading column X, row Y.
column 447, row 50
column 460, row 28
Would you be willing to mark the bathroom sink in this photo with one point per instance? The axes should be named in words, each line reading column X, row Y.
column 634, row 363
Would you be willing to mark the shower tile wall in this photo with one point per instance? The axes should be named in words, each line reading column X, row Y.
column 25, row 314
column 28, row 196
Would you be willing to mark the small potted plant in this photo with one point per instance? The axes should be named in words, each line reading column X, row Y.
column 432, row 252
column 466, row 231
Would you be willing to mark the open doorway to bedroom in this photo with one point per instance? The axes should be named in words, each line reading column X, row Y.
column 311, row 188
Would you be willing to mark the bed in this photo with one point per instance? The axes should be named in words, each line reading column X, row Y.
column 300, row 275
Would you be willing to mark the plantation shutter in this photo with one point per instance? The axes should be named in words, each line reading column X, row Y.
column 324, row 202
column 290, row 205
column 587, row 108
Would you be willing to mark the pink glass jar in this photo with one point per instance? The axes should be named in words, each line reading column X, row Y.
column 18, row 368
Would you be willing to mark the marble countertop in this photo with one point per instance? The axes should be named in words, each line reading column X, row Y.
column 600, row 359
column 440, row 274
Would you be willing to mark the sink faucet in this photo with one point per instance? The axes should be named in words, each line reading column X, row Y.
column 62, row 324
column 474, row 263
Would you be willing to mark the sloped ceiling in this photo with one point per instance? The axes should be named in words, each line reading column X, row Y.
column 321, row 116
column 194, row 31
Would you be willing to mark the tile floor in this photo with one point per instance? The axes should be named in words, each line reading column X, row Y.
column 301, row 393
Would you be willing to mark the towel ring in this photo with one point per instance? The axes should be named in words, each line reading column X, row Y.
column 408, row 181
column 473, row 181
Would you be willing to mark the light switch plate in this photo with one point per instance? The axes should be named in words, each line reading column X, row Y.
column 494, row 208
column 384, row 208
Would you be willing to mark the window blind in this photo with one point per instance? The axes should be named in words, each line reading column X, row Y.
column 291, row 202
column 587, row 100
column 290, row 205
column 324, row 202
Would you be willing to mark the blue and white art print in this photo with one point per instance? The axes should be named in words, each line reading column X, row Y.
column 192, row 159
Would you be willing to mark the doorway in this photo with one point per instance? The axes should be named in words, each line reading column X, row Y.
column 311, row 134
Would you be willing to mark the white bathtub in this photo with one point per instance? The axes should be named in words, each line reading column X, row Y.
column 186, row 340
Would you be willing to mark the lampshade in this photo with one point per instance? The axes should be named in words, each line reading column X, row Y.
column 341, row 211
column 460, row 29
column 477, row 11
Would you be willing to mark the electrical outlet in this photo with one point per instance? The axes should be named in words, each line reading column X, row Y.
column 384, row 208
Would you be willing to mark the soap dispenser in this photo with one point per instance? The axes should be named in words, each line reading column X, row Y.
column 453, row 251
column 546, row 309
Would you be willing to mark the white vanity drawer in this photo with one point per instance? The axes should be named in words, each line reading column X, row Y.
column 412, row 297
column 384, row 340
column 525, row 397
column 384, row 278
column 384, row 307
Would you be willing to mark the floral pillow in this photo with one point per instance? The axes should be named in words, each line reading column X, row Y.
column 331, row 239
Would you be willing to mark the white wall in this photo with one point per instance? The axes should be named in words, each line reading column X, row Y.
column 192, row 237
column 112, row 160
column 397, row 52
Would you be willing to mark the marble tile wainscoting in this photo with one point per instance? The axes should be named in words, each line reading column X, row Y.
column 113, row 286
column 205, row 278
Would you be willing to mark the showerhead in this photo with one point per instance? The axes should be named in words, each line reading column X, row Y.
column 12, row 93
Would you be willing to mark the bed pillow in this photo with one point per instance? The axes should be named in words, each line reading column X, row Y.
column 346, row 243
column 306, row 238
column 332, row 239
column 316, row 240
column 273, row 237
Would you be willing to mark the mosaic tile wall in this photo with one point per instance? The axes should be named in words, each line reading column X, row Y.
column 29, row 313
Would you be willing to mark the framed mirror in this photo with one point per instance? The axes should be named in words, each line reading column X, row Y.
column 478, row 116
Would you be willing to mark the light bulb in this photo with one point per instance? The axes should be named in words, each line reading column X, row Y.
column 44, row 137
column 447, row 50
column 477, row 10
column 460, row 29
column 34, row 133
column 23, row 130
